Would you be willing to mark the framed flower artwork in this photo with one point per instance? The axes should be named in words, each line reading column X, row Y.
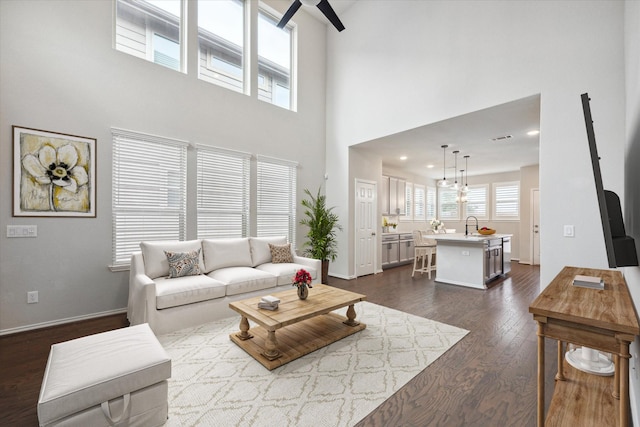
column 54, row 174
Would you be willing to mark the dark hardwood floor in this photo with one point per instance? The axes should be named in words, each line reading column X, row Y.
column 487, row 379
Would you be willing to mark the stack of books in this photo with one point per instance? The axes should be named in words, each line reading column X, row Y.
column 269, row 302
column 592, row 282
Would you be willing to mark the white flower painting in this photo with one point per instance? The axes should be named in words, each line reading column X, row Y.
column 54, row 174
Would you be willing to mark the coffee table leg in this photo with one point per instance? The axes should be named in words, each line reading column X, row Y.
column 351, row 317
column 244, row 329
column 271, row 346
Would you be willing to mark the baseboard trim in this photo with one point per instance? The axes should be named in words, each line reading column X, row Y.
column 61, row 321
column 340, row 276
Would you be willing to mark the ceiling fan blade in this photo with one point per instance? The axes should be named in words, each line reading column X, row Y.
column 328, row 11
column 290, row 12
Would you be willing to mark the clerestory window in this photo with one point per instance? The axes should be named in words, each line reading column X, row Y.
column 151, row 30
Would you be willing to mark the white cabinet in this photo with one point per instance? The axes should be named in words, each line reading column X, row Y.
column 393, row 195
column 406, row 248
column 390, row 253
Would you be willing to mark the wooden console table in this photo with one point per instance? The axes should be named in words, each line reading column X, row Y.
column 604, row 320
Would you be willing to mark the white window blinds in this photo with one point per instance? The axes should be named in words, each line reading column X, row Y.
column 506, row 196
column 149, row 191
column 477, row 202
column 408, row 203
column 418, row 202
column 448, row 204
column 276, row 198
column 431, row 203
column 222, row 193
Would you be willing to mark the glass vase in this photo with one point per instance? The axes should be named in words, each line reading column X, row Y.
column 303, row 292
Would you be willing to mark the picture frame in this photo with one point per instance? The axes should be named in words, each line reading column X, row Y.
column 54, row 174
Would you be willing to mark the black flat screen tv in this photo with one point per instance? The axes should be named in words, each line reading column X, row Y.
column 621, row 249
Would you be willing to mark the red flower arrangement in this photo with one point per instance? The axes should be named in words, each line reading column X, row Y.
column 302, row 278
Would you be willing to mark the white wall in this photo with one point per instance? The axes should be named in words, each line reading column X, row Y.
column 440, row 59
column 632, row 175
column 59, row 72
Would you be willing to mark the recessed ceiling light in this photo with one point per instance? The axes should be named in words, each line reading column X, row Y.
column 429, row 166
column 533, row 132
column 403, row 157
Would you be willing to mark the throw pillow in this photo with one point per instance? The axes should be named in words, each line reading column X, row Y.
column 280, row 253
column 183, row 263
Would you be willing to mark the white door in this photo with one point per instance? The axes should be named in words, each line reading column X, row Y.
column 366, row 225
column 535, row 229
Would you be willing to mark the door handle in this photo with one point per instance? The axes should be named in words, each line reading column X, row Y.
column 373, row 234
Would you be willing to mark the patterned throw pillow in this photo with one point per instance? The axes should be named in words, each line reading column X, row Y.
column 280, row 253
column 183, row 263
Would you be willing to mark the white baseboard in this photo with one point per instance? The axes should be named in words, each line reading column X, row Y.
column 340, row 276
column 61, row 321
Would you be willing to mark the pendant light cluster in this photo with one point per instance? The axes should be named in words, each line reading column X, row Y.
column 463, row 187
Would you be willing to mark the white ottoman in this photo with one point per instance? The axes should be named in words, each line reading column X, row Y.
column 113, row 378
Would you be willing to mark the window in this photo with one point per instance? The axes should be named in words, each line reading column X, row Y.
column 152, row 30
column 430, row 209
column 222, row 193
column 418, row 203
column 477, row 202
column 221, row 43
column 448, row 204
column 149, row 191
column 274, row 60
column 276, row 198
column 408, row 203
column 506, row 201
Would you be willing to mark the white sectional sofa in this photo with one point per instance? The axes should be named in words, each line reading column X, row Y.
column 231, row 269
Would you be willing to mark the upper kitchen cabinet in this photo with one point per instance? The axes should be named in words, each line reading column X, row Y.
column 393, row 195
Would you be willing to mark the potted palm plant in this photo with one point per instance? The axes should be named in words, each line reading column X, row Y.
column 321, row 238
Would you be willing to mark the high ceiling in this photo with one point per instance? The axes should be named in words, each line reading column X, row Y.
column 472, row 134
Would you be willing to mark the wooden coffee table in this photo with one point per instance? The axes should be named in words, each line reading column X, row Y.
column 305, row 325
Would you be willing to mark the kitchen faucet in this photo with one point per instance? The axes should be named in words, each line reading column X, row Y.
column 466, row 225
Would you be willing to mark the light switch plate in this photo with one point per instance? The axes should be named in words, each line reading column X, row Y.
column 22, row 231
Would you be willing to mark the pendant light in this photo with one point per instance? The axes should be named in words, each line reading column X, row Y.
column 465, row 187
column 443, row 183
column 455, row 185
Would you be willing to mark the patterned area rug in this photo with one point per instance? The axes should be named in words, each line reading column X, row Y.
column 215, row 383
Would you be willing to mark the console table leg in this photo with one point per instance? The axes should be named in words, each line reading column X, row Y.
column 540, row 408
column 623, row 382
column 616, row 377
column 244, row 329
column 560, row 373
column 271, row 346
column 351, row 317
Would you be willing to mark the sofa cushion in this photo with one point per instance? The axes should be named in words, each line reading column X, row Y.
column 280, row 253
column 221, row 253
column 186, row 290
column 155, row 260
column 240, row 280
column 260, row 252
column 286, row 271
column 183, row 264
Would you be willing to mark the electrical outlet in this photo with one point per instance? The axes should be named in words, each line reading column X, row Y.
column 32, row 297
column 569, row 231
column 465, row 253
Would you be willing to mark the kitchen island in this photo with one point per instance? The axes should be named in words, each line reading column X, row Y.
column 473, row 260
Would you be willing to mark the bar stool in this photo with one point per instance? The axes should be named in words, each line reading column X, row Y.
column 424, row 254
